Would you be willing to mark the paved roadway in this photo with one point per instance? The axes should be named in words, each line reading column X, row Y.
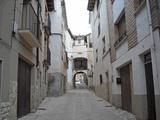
column 77, row 105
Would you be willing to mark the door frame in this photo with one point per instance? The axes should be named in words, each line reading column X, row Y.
column 129, row 64
column 27, row 63
column 150, row 93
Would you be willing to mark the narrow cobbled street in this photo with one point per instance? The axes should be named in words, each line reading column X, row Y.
column 77, row 105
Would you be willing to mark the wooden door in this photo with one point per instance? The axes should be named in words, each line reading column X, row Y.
column 150, row 87
column 24, row 86
column 126, row 88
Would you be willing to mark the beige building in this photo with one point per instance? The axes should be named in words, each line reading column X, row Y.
column 59, row 60
column 24, row 56
column 133, row 31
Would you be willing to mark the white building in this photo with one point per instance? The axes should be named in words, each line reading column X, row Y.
column 101, row 48
column 132, row 30
column 24, row 32
column 59, row 61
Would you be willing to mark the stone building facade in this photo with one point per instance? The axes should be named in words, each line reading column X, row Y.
column 59, row 61
column 101, row 48
column 133, row 31
column 24, row 56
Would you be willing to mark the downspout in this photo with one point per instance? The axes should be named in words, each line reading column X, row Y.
column 152, row 37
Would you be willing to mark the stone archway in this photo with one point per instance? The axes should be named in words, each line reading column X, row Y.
column 83, row 79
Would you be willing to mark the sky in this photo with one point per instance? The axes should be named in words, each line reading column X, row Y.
column 78, row 16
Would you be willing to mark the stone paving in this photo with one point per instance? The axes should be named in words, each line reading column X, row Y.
column 78, row 105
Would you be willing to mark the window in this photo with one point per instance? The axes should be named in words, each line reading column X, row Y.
column 97, row 4
column 90, row 45
column 99, row 30
column 96, row 55
column 104, row 44
column 80, row 64
column 0, row 76
column 138, row 3
column 107, row 76
column 101, row 80
column 121, row 26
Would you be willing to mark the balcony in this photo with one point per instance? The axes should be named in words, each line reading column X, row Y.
column 30, row 27
column 122, row 38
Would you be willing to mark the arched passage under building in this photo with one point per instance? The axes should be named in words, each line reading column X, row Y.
column 80, row 80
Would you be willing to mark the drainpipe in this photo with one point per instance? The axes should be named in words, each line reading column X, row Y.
column 152, row 37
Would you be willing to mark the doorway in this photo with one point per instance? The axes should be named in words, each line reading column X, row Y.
column 24, row 86
column 126, row 88
column 150, row 87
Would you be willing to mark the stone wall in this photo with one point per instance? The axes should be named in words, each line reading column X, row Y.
column 4, row 111
column 56, row 84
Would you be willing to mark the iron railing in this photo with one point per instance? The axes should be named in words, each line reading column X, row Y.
column 30, row 20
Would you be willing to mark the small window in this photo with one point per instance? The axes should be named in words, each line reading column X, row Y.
column 104, row 44
column 99, row 30
column 107, row 76
column 96, row 55
column 101, row 80
column 90, row 45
